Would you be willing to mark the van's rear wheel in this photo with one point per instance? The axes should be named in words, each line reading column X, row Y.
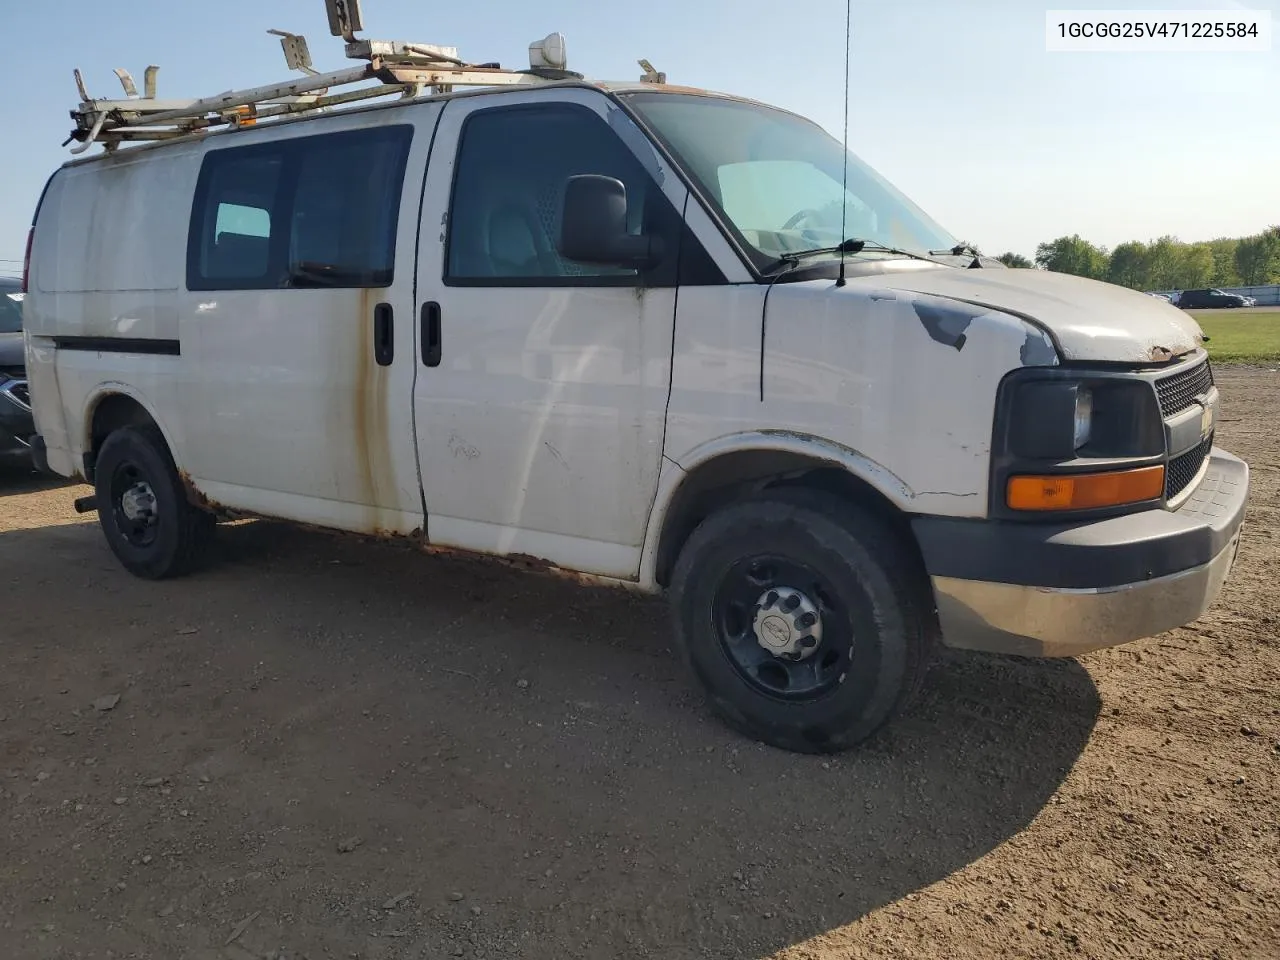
column 803, row 617
column 151, row 527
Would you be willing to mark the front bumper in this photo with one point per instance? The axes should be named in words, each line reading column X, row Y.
column 1063, row 590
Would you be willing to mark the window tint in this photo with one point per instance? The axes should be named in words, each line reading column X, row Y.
column 244, row 221
column 777, row 195
column 242, row 192
column 508, row 192
column 344, row 211
column 779, row 180
column 10, row 311
column 305, row 212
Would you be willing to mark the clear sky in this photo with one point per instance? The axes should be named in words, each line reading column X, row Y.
column 955, row 101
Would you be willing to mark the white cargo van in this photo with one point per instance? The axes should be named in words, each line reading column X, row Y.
column 635, row 331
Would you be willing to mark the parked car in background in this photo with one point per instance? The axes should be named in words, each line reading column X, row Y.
column 1205, row 299
column 1161, row 296
column 16, row 426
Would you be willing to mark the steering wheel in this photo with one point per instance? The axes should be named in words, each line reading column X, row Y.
column 800, row 216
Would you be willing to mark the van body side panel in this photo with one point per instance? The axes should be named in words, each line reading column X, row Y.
column 540, row 429
column 905, row 385
column 102, row 312
column 300, row 414
column 48, row 412
column 112, row 225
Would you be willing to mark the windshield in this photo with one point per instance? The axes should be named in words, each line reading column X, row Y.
column 776, row 179
column 10, row 311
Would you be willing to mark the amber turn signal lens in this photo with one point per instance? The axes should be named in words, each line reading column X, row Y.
column 1084, row 491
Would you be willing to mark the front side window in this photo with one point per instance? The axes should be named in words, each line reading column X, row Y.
column 316, row 211
column 776, row 179
column 508, row 191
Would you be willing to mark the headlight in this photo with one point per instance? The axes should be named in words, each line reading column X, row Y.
column 1062, row 417
column 1084, row 416
column 1075, row 440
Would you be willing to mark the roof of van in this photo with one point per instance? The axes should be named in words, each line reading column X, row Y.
column 644, row 86
column 618, row 87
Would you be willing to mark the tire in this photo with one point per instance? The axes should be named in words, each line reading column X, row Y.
column 858, row 578
column 172, row 537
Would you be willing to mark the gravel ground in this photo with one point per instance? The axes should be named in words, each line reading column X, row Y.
column 323, row 747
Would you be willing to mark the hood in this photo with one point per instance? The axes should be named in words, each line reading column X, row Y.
column 12, row 351
column 1088, row 319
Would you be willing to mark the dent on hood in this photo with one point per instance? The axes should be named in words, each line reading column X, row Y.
column 1163, row 349
column 1085, row 320
column 1162, row 352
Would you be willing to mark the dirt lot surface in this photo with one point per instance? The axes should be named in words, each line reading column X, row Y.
column 322, row 748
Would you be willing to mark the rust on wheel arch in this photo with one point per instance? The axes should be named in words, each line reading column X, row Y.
column 197, row 498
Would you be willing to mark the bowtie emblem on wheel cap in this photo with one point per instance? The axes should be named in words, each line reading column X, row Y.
column 787, row 624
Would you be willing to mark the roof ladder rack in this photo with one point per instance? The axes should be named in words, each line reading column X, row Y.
column 398, row 68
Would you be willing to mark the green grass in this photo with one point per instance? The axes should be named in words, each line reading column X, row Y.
column 1246, row 336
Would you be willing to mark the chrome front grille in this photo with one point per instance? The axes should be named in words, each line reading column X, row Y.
column 1178, row 391
column 1182, row 469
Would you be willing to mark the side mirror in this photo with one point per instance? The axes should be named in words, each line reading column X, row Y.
column 593, row 225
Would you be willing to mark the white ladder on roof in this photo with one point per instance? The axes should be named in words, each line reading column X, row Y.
column 399, row 68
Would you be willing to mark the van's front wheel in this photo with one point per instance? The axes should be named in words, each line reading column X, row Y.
column 151, row 527
column 803, row 618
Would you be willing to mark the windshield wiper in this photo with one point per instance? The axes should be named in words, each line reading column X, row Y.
column 850, row 246
column 959, row 250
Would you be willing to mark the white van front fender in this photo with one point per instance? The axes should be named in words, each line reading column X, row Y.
column 745, row 456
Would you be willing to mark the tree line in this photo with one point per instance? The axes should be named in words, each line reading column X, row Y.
column 1164, row 264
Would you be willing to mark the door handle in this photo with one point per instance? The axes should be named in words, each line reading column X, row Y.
column 431, row 333
column 384, row 344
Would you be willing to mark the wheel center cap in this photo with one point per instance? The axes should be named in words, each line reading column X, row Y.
column 787, row 624
column 137, row 502
column 775, row 632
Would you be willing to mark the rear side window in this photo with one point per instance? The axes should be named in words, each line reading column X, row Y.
column 242, row 221
column 315, row 211
column 242, row 192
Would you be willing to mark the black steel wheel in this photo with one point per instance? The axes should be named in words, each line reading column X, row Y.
column 150, row 525
column 133, row 504
column 805, row 618
column 780, row 624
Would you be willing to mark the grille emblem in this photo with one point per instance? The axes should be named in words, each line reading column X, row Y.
column 1206, row 415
